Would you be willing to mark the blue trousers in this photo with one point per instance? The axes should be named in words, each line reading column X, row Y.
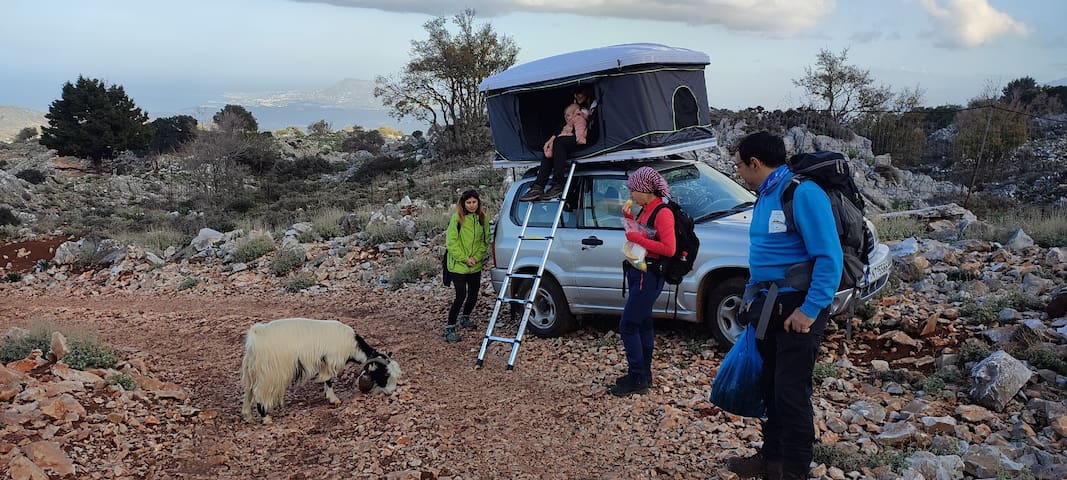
column 635, row 326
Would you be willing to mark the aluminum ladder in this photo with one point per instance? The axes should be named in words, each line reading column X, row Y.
column 505, row 287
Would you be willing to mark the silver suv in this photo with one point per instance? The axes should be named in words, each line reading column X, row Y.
column 584, row 270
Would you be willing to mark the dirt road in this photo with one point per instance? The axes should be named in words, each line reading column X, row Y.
column 548, row 418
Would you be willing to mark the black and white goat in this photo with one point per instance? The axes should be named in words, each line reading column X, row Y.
column 292, row 351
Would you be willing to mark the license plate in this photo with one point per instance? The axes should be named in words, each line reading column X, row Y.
column 880, row 270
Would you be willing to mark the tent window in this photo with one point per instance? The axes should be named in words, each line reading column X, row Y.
column 685, row 108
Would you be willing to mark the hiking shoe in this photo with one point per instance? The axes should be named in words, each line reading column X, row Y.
column 628, row 385
column 466, row 322
column 754, row 466
column 533, row 194
column 450, row 334
column 554, row 192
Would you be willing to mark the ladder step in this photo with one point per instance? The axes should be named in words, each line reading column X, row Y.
column 536, row 237
column 523, row 275
column 514, row 300
column 493, row 338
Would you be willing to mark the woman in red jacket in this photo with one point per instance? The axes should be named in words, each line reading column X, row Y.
column 649, row 190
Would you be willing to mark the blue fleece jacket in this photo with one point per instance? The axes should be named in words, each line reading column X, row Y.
column 774, row 248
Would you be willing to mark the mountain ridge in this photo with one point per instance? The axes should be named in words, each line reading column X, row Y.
column 13, row 119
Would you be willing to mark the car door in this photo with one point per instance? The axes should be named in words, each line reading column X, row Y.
column 600, row 235
column 565, row 245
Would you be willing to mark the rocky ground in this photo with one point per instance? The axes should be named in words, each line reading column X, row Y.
column 548, row 418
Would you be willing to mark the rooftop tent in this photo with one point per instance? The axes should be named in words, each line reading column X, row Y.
column 651, row 101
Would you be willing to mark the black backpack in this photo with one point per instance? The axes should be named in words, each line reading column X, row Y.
column 686, row 242
column 831, row 171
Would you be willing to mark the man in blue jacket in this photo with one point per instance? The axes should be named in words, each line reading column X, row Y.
column 794, row 273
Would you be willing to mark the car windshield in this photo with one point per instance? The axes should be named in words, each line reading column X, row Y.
column 705, row 193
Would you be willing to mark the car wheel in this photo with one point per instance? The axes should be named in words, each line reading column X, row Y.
column 551, row 315
column 722, row 311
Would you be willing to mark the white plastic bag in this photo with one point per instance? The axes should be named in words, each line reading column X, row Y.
column 635, row 254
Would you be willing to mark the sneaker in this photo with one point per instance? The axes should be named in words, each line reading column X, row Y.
column 628, row 385
column 754, row 466
column 554, row 192
column 450, row 334
column 533, row 194
column 466, row 322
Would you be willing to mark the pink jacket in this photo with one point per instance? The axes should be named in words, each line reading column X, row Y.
column 577, row 127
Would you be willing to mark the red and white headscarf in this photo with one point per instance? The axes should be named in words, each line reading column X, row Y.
column 648, row 180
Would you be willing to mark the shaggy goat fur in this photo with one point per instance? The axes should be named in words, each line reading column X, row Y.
column 294, row 350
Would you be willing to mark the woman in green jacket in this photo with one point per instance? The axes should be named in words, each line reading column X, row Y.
column 467, row 239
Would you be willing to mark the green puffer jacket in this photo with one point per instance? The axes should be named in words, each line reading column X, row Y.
column 469, row 240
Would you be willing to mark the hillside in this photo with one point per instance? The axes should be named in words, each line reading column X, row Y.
column 957, row 368
column 13, row 119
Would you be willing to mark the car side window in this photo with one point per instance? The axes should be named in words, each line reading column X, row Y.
column 543, row 212
column 602, row 200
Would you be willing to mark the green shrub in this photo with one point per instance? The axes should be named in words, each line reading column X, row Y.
column 378, row 233
column 849, row 461
column 988, row 310
column 299, row 281
column 302, row 168
column 286, row 259
column 89, row 353
column 983, row 312
column 891, row 458
column 974, row 350
column 19, row 348
column 252, row 247
column 327, row 222
column 31, row 175
column 125, row 381
column 898, row 376
column 360, row 139
column 156, row 238
column 823, row 371
column 13, row 277
column 7, row 217
column 378, row 166
column 899, row 228
column 1046, row 225
column 1044, row 356
column 834, row 456
column 433, row 222
column 413, row 271
column 932, row 385
column 188, row 282
column 25, row 134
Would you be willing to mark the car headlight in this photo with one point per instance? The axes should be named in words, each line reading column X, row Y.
column 874, row 232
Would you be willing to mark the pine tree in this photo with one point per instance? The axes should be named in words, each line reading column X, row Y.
column 169, row 133
column 235, row 117
column 94, row 121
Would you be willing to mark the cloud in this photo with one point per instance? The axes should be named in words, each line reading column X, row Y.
column 780, row 17
column 971, row 23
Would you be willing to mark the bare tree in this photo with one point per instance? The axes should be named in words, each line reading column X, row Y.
column 839, row 89
column 439, row 84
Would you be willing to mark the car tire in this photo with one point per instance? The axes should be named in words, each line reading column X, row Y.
column 551, row 315
column 722, row 311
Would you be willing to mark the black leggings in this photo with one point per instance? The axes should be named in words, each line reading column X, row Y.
column 466, row 294
column 556, row 167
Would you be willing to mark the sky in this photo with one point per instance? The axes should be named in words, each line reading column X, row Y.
column 175, row 55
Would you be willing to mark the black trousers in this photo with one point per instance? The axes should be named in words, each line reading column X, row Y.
column 788, row 362
column 466, row 294
column 562, row 148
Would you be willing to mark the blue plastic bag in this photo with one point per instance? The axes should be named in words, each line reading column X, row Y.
column 736, row 388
